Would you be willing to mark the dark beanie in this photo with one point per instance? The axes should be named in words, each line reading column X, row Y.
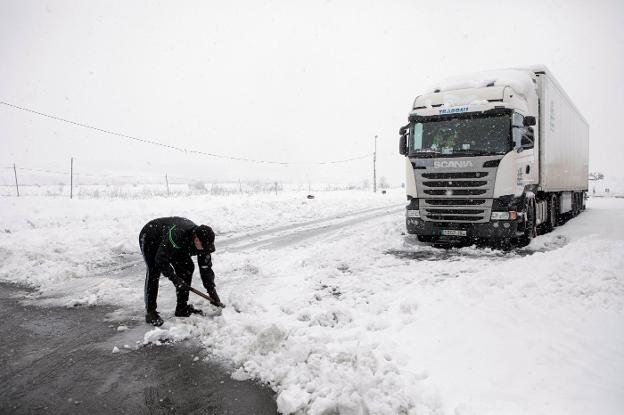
column 205, row 234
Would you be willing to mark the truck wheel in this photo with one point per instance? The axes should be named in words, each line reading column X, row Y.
column 577, row 204
column 530, row 230
column 551, row 222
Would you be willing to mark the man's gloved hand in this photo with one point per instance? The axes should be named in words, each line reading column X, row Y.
column 216, row 301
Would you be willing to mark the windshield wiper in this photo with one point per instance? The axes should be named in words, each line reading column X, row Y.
column 477, row 152
column 425, row 153
column 468, row 151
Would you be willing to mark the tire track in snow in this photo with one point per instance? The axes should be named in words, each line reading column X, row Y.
column 278, row 236
column 301, row 232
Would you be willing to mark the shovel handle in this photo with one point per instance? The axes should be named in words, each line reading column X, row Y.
column 201, row 294
column 206, row 296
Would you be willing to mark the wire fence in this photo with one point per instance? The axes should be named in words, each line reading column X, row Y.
column 16, row 181
column 47, row 182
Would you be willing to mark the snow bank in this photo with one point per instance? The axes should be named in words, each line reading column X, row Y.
column 374, row 322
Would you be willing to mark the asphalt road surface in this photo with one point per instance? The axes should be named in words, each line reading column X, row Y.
column 60, row 361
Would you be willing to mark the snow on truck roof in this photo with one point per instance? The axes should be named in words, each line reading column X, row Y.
column 521, row 80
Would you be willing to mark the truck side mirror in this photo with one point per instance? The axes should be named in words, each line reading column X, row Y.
column 403, row 145
column 403, row 140
column 529, row 120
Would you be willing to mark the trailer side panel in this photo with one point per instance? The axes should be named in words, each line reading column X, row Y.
column 564, row 140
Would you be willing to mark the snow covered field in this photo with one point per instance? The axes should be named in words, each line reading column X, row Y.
column 351, row 316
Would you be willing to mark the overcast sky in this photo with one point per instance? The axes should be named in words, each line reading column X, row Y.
column 291, row 81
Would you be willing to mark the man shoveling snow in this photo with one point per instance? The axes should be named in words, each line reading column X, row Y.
column 167, row 245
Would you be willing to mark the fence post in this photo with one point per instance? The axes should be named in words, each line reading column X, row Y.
column 167, row 181
column 71, row 179
column 16, row 185
column 375, row 167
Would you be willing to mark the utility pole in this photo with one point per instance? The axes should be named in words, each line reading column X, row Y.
column 167, row 181
column 375, row 167
column 71, row 179
column 16, row 185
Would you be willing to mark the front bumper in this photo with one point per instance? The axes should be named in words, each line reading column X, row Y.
column 488, row 230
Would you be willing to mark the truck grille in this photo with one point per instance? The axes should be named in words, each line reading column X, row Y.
column 458, row 202
column 463, row 175
column 447, row 195
column 456, row 183
column 456, row 192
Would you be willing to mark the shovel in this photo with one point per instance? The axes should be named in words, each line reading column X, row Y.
column 201, row 294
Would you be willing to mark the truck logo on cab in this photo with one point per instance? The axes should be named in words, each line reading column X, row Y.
column 451, row 163
column 456, row 110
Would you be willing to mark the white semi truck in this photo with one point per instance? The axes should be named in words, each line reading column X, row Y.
column 498, row 156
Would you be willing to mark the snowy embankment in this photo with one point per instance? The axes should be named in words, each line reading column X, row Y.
column 362, row 319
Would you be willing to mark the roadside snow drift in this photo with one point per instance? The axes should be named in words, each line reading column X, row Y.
column 360, row 319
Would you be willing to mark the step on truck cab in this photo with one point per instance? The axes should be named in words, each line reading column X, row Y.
column 498, row 156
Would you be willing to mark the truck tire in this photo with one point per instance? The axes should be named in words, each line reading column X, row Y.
column 530, row 230
column 578, row 203
column 551, row 221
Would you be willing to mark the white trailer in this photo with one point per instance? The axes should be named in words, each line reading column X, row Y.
column 564, row 146
column 499, row 155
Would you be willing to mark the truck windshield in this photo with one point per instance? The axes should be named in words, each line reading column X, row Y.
column 480, row 135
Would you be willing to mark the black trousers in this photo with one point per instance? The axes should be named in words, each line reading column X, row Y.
column 183, row 266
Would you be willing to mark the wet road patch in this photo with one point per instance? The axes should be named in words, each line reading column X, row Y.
column 60, row 360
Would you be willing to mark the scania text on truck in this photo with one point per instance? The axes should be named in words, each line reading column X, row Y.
column 498, row 156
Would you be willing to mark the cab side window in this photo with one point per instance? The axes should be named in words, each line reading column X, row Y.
column 522, row 136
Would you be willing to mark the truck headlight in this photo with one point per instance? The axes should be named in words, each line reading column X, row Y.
column 504, row 215
column 413, row 213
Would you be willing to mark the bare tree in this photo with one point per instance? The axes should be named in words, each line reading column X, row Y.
column 595, row 176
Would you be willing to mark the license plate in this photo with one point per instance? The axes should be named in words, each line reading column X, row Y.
column 452, row 232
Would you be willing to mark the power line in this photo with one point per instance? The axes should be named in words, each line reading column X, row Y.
column 171, row 147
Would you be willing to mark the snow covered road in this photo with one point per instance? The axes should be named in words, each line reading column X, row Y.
column 284, row 236
column 361, row 318
column 272, row 238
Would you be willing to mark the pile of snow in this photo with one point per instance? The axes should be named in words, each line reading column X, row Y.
column 363, row 319
column 373, row 322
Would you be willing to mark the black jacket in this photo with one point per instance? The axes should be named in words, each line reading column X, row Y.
column 174, row 237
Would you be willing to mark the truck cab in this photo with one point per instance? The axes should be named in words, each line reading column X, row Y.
column 473, row 162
